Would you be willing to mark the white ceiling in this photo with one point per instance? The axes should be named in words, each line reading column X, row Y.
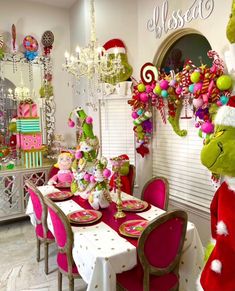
column 58, row 3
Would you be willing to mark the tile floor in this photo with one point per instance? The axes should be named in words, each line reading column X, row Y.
column 19, row 270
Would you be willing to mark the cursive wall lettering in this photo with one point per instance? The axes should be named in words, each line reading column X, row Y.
column 162, row 22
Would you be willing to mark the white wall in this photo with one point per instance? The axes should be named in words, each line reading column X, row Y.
column 33, row 18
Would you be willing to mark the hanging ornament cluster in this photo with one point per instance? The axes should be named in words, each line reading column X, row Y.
column 31, row 47
column 207, row 88
column 47, row 42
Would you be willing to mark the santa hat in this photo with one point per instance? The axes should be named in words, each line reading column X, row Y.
column 114, row 46
column 226, row 114
column 124, row 157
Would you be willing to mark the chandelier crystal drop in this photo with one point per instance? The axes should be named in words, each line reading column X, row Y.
column 93, row 63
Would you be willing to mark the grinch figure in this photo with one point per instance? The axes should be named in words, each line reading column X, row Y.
column 115, row 51
column 90, row 174
column 218, row 155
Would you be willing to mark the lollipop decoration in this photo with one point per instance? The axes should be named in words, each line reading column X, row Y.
column 31, row 46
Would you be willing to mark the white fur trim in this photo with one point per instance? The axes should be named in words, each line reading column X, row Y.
column 216, row 266
column 225, row 116
column 213, row 241
column 198, row 283
column 230, row 182
column 117, row 50
column 221, row 228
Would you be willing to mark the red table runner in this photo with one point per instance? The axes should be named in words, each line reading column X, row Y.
column 108, row 216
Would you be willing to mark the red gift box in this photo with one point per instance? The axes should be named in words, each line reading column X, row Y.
column 27, row 110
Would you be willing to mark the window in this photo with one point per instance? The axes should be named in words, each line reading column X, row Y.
column 117, row 136
column 178, row 159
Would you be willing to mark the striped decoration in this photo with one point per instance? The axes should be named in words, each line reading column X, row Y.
column 1, row 41
column 28, row 125
column 32, row 159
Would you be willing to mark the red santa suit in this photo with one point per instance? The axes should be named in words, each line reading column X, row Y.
column 219, row 271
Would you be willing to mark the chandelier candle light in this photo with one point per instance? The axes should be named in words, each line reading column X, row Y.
column 117, row 163
column 93, row 63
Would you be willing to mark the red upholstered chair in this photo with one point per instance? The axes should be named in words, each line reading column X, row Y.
column 159, row 250
column 53, row 171
column 43, row 234
column 64, row 239
column 156, row 192
column 127, row 182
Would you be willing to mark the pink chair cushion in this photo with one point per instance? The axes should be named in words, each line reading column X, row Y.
column 59, row 229
column 37, row 206
column 39, row 232
column 133, row 281
column 164, row 242
column 63, row 263
column 155, row 193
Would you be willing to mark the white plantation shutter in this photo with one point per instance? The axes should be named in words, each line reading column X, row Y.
column 117, row 136
column 178, row 159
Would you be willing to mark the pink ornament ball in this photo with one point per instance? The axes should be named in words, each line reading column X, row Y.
column 178, row 90
column 71, row 123
column 148, row 88
column 219, row 103
column 134, row 115
column 106, row 173
column 89, row 120
column 207, row 127
column 197, row 125
column 78, row 155
column 144, row 97
column 197, row 102
column 164, row 84
column 92, row 179
column 197, row 87
column 87, row 177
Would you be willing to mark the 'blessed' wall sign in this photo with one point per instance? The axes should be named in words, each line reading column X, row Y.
column 162, row 21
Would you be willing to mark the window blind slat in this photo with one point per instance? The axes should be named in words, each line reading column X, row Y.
column 178, row 159
column 117, row 135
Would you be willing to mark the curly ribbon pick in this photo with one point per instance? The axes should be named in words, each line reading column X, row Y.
column 217, row 61
column 148, row 73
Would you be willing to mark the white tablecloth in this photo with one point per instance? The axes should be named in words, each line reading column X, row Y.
column 99, row 252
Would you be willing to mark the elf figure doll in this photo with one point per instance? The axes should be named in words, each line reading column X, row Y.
column 218, row 155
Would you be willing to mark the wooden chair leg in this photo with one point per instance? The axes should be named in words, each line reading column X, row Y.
column 59, row 281
column 46, row 257
column 71, row 284
column 38, row 249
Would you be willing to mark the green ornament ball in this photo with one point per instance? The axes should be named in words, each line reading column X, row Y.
column 141, row 87
column 224, row 82
column 157, row 89
column 139, row 128
column 195, row 77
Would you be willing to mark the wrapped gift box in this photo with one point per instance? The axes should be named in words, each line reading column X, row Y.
column 27, row 110
column 29, row 125
column 29, row 141
column 32, row 158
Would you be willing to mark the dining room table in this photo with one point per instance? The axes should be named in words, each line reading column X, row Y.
column 101, row 250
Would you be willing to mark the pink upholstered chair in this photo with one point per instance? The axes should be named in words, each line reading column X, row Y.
column 64, row 239
column 43, row 234
column 159, row 250
column 156, row 192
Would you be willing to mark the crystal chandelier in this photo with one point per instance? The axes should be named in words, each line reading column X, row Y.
column 93, row 63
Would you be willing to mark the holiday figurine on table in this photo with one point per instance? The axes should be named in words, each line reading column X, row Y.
column 218, row 155
column 64, row 175
column 90, row 174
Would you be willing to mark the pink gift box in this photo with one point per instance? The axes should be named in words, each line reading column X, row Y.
column 29, row 141
column 27, row 110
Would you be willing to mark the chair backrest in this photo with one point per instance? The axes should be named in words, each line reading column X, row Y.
column 156, row 192
column 62, row 231
column 39, row 206
column 131, row 176
column 160, row 244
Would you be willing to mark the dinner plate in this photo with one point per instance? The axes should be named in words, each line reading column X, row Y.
column 59, row 196
column 84, row 216
column 133, row 228
column 63, row 185
column 134, row 205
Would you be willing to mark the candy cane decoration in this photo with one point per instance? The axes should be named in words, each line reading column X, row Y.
column 1, row 41
column 148, row 73
column 160, row 107
column 186, row 77
column 217, row 61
